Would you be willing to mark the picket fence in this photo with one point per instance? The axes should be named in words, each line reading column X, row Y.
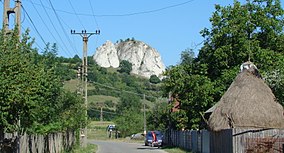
column 51, row 143
column 228, row 141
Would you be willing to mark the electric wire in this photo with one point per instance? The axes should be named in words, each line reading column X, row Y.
column 49, row 29
column 73, row 40
column 119, row 90
column 54, row 26
column 93, row 13
column 145, row 12
column 94, row 109
column 76, row 14
column 60, row 23
column 125, row 14
column 34, row 25
column 24, row 29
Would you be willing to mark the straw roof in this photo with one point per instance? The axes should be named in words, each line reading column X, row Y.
column 248, row 103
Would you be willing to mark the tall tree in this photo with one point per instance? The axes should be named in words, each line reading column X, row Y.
column 31, row 94
column 129, row 119
column 253, row 31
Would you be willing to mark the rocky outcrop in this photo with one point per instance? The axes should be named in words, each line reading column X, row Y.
column 106, row 55
column 146, row 61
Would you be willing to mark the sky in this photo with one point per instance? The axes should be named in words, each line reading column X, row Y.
column 169, row 26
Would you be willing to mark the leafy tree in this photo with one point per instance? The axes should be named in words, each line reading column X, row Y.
column 31, row 95
column 154, row 79
column 130, row 119
column 76, row 59
column 129, row 122
column 157, row 118
column 125, row 67
column 253, row 31
column 187, row 56
column 193, row 90
column 229, row 44
column 129, row 101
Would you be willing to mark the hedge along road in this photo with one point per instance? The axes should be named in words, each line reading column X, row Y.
column 123, row 147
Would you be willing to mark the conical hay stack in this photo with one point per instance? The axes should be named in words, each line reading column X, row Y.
column 248, row 103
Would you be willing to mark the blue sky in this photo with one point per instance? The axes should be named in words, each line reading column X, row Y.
column 170, row 26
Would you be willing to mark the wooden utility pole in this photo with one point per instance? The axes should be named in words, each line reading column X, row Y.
column 101, row 117
column 6, row 16
column 84, row 76
column 144, row 115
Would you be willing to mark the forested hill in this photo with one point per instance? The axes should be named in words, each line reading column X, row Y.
column 107, row 85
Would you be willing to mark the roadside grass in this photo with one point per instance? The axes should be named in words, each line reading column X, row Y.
column 91, row 148
column 97, row 130
column 174, row 150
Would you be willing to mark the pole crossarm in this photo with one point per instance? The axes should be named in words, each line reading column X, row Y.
column 84, row 33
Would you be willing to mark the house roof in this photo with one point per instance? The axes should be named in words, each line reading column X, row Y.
column 248, row 103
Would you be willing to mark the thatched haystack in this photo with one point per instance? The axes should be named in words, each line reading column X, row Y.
column 248, row 103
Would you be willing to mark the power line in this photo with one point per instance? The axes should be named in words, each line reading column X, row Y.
column 49, row 29
column 125, row 14
column 93, row 13
column 102, row 111
column 76, row 14
column 34, row 25
column 54, row 26
column 58, row 19
column 144, row 12
column 119, row 90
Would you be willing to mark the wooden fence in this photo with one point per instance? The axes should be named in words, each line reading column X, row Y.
column 195, row 141
column 51, row 143
column 228, row 141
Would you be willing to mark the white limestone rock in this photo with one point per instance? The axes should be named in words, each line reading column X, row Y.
column 146, row 61
column 106, row 55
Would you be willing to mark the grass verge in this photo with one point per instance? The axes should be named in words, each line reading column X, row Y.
column 174, row 150
column 91, row 148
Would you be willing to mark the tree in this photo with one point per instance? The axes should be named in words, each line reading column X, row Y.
column 31, row 95
column 154, row 79
column 129, row 101
column 193, row 90
column 130, row 119
column 229, row 44
column 253, row 31
column 76, row 59
column 125, row 67
column 157, row 118
column 187, row 56
column 129, row 122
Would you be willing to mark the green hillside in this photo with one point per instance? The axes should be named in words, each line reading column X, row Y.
column 107, row 85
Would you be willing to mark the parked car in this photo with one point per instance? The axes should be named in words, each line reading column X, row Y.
column 149, row 139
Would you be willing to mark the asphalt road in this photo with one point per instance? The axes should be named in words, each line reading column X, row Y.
column 123, row 147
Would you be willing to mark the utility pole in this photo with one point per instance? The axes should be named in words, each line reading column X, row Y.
column 6, row 16
column 84, row 77
column 144, row 115
column 101, row 117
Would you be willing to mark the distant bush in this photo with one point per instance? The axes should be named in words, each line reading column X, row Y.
column 154, row 79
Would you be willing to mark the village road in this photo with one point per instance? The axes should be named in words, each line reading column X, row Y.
column 123, row 147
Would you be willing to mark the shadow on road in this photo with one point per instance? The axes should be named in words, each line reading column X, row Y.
column 143, row 147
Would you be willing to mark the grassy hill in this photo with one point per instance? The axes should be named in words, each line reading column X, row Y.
column 106, row 85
